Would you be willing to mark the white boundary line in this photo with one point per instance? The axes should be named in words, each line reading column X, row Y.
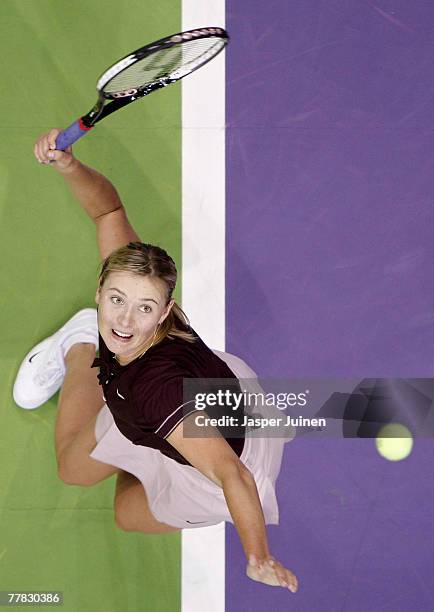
column 203, row 269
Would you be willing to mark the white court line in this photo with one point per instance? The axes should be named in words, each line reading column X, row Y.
column 203, row 269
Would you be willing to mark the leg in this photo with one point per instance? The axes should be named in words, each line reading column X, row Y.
column 132, row 511
column 79, row 403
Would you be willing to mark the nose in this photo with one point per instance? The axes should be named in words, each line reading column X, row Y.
column 125, row 319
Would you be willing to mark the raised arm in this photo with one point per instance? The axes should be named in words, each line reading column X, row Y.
column 95, row 192
column 218, row 462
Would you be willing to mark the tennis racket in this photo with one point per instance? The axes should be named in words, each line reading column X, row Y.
column 151, row 67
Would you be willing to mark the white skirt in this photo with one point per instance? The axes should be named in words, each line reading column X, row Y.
column 180, row 495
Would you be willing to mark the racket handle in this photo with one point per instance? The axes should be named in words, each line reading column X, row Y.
column 72, row 133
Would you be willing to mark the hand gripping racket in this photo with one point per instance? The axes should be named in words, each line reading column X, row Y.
column 152, row 67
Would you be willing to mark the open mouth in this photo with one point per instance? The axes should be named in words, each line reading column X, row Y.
column 120, row 336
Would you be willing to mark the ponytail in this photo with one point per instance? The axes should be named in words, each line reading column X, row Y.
column 175, row 325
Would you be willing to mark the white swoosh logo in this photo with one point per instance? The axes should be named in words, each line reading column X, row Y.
column 117, row 391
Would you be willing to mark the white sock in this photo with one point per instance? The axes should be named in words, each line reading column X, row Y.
column 76, row 338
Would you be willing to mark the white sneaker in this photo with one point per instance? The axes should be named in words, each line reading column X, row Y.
column 43, row 369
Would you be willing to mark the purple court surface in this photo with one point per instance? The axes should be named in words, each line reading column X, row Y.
column 329, row 225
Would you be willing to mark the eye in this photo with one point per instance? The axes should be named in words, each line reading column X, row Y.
column 146, row 307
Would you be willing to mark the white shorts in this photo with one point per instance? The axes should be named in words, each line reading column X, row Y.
column 180, row 495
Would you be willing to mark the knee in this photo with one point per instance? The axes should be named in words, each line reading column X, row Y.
column 121, row 519
column 120, row 515
column 122, row 524
column 126, row 521
column 67, row 476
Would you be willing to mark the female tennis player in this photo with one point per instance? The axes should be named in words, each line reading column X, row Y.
column 166, row 480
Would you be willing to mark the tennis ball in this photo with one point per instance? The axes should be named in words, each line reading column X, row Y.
column 394, row 442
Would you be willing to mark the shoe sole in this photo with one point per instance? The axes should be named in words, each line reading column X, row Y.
column 24, row 402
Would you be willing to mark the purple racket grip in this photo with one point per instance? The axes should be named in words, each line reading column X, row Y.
column 72, row 133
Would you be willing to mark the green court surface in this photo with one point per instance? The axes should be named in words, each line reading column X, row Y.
column 55, row 537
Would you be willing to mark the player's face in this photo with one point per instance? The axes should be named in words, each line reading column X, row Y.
column 131, row 305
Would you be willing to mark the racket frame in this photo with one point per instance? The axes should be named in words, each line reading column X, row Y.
column 107, row 102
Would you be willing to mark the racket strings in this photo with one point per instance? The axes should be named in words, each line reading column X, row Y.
column 173, row 62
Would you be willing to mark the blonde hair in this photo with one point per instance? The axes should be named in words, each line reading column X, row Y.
column 154, row 262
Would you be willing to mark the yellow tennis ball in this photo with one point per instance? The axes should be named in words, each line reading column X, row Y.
column 394, row 442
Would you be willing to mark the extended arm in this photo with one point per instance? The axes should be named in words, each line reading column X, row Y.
column 216, row 460
column 95, row 192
